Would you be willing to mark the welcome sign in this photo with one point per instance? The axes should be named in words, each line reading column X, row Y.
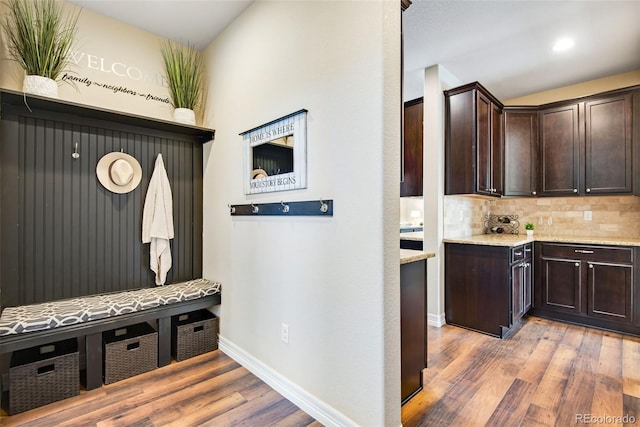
column 116, row 69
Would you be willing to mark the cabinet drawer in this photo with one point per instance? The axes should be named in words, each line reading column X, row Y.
column 520, row 252
column 588, row 253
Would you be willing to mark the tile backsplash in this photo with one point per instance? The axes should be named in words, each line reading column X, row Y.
column 612, row 216
column 464, row 215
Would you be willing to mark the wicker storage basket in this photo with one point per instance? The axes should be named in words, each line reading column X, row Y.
column 43, row 374
column 193, row 334
column 129, row 351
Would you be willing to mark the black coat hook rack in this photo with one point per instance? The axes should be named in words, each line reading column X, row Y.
column 307, row 208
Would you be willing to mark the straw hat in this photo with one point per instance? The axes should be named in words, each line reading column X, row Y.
column 119, row 172
column 258, row 173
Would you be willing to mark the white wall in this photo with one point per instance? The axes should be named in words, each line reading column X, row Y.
column 436, row 80
column 334, row 281
column 106, row 53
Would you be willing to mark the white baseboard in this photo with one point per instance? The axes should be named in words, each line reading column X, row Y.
column 436, row 320
column 310, row 404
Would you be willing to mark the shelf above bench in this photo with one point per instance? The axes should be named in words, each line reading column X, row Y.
column 12, row 99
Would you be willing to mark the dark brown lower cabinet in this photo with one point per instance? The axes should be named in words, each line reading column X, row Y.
column 487, row 288
column 413, row 326
column 588, row 284
column 521, row 282
column 411, row 244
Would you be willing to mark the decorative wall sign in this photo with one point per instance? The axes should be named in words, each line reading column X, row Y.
column 276, row 155
column 116, row 77
column 80, row 81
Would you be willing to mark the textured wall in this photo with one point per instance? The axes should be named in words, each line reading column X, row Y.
column 334, row 281
column 65, row 235
column 612, row 216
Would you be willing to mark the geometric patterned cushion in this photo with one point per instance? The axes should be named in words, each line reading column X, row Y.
column 37, row 317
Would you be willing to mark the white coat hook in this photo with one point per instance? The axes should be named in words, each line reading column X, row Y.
column 75, row 153
column 254, row 208
column 285, row 207
column 323, row 206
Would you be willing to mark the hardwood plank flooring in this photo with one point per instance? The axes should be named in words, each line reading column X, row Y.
column 546, row 374
column 207, row 390
column 543, row 375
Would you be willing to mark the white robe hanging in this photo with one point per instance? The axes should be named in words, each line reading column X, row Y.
column 157, row 221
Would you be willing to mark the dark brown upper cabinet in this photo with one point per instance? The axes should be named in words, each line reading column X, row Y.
column 608, row 139
column 520, row 151
column 559, row 150
column 411, row 184
column 585, row 146
column 474, row 147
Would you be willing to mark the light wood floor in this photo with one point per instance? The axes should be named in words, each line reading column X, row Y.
column 207, row 390
column 545, row 375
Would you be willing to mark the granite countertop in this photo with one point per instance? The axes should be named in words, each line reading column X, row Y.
column 410, row 255
column 520, row 239
column 417, row 236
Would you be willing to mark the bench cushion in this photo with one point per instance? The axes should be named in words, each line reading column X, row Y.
column 54, row 314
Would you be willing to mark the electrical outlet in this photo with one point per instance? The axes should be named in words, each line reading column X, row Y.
column 587, row 215
column 284, row 333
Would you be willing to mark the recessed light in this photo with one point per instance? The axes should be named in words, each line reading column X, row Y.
column 563, row 44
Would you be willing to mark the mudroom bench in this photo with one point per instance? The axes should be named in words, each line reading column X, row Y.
column 39, row 324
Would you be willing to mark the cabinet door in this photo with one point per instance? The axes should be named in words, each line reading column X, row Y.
column 608, row 145
column 517, row 292
column 521, row 289
column 460, row 143
column 411, row 184
column 561, row 289
column 413, row 326
column 527, row 279
column 520, row 152
column 484, row 112
column 497, row 151
column 609, row 290
column 560, row 151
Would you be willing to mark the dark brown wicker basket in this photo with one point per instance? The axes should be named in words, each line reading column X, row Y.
column 193, row 334
column 43, row 374
column 129, row 351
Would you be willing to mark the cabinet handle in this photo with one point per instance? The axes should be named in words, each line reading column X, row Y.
column 577, row 264
column 533, row 193
column 582, row 251
column 588, row 190
column 519, row 253
column 575, row 190
column 527, row 249
column 590, row 265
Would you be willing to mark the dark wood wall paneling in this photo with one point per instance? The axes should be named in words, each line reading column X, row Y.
column 62, row 233
column 273, row 159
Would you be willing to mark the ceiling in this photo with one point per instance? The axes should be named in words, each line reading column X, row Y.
column 504, row 44
column 196, row 22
